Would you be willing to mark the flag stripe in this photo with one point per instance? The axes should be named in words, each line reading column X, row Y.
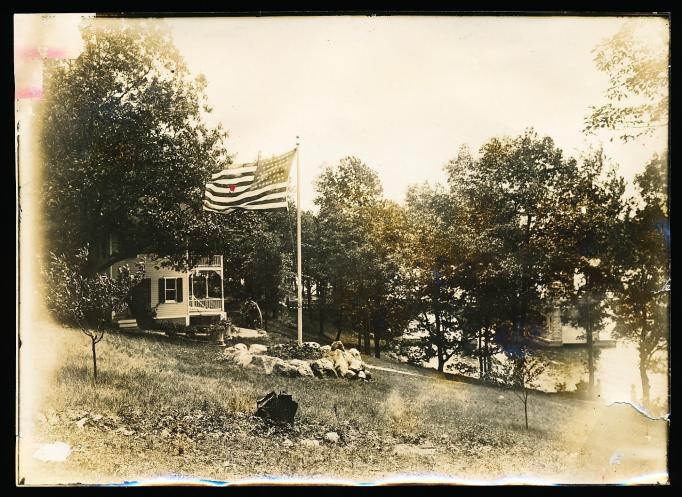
column 218, row 190
column 232, row 197
column 265, row 197
column 231, row 173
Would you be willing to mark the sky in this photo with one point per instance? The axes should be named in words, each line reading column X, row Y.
column 402, row 93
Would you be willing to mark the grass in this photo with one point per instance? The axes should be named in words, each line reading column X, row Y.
column 167, row 406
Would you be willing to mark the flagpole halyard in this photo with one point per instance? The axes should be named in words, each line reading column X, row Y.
column 299, row 289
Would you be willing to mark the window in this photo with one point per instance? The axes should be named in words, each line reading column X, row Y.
column 171, row 290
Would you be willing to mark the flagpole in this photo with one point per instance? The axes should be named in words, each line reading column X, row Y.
column 299, row 288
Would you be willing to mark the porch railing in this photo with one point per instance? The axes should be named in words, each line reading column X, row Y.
column 210, row 261
column 211, row 303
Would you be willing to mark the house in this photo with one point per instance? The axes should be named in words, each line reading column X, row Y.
column 181, row 297
column 558, row 332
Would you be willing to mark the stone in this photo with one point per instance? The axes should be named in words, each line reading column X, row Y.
column 54, row 452
column 351, row 375
column 368, row 374
column 241, row 346
column 325, row 349
column 311, row 345
column 362, row 375
column 332, row 437
column 81, row 422
column 283, row 368
column 337, row 345
column 355, row 365
column 242, row 358
column 323, row 368
column 264, row 363
column 257, row 349
column 340, row 363
column 355, row 353
column 302, row 367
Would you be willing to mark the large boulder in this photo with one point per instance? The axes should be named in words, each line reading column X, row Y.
column 325, row 349
column 311, row 345
column 323, row 368
column 355, row 353
column 340, row 362
column 283, row 368
column 241, row 346
column 257, row 349
column 302, row 367
column 242, row 358
column 355, row 365
column 337, row 345
column 264, row 363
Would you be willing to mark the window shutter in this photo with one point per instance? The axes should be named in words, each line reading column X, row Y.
column 162, row 290
column 178, row 290
column 147, row 286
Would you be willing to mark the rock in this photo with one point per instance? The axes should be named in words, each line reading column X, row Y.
column 310, row 443
column 264, row 363
column 311, row 345
column 355, row 365
column 337, row 345
column 283, row 368
column 55, row 452
column 97, row 417
column 325, row 349
column 241, row 346
column 302, row 367
column 323, row 368
column 340, row 363
column 257, row 349
column 362, row 375
column 351, row 375
column 242, row 358
column 229, row 351
column 81, row 422
column 332, row 437
column 368, row 374
column 355, row 353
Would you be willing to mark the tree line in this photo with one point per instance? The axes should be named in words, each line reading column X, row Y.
column 471, row 265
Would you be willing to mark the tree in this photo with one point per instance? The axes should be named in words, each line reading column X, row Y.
column 641, row 301
column 520, row 374
column 348, row 197
column 637, row 67
column 88, row 302
column 589, row 235
column 126, row 148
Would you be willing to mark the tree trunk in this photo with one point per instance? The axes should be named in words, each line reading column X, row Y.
column 94, row 357
column 646, row 386
column 439, row 344
column 525, row 409
column 320, row 308
column 378, row 331
column 339, row 317
column 309, row 286
column 367, row 326
column 590, row 359
column 481, row 371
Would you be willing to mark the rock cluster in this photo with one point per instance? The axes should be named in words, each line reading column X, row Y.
column 334, row 361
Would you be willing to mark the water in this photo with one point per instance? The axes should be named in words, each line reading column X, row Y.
column 616, row 369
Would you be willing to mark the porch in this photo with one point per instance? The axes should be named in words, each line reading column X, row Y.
column 206, row 293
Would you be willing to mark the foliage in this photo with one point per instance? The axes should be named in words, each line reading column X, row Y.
column 638, row 71
column 520, row 374
column 87, row 302
column 642, row 299
column 125, row 146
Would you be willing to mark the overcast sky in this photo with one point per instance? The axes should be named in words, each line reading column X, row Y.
column 401, row 93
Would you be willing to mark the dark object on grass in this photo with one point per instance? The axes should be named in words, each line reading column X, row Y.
column 277, row 407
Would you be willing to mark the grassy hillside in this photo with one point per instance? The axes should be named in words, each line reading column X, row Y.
column 170, row 407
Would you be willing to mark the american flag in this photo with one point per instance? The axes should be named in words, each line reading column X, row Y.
column 255, row 186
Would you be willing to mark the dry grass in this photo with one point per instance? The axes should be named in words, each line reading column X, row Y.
column 169, row 407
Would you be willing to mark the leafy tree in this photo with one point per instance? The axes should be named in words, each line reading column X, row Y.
column 637, row 67
column 641, row 302
column 349, row 195
column 588, row 234
column 88, row 302
column 126, row 149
